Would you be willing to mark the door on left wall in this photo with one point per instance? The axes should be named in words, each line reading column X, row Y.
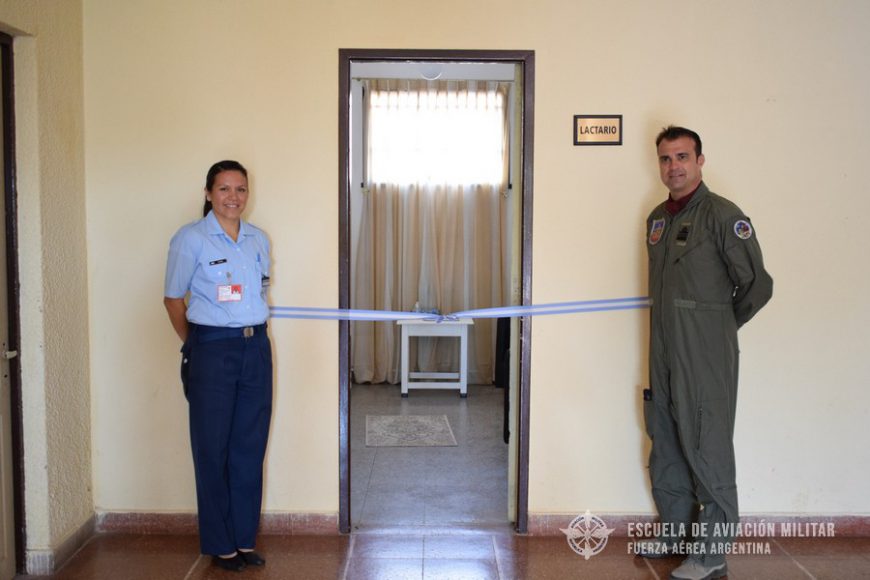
column 7, row 510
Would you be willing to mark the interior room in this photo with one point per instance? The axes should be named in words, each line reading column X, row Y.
column 434, row 228
column 114, row 111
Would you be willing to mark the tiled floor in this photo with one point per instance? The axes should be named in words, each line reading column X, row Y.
column 455, row 554
column 425, row 486
column 438, row 513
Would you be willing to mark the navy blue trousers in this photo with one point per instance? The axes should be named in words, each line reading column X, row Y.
column 229, row 390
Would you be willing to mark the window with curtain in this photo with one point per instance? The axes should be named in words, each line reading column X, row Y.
column 451, row 133
column 434, row 228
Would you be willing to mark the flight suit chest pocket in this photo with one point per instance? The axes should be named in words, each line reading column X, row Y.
column 688, row 245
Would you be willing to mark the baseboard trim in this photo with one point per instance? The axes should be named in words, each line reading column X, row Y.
column 782, row 525
column 274, row 523
column 41, row 562
column 175, row 523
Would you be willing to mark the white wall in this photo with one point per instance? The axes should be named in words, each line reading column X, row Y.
column 777, row 90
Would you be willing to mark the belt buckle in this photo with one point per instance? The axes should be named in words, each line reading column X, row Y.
column 248, row 331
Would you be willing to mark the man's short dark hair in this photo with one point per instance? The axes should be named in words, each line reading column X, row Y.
column 672, row 133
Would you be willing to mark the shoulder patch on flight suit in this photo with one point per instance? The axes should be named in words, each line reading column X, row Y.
column 656, row 231
column 742, row 229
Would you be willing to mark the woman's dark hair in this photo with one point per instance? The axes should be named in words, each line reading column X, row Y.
column 220, row 167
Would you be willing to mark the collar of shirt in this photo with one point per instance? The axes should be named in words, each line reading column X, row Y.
column 214, row 226
column 673, row 207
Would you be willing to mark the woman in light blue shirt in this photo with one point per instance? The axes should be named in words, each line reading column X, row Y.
column 221, row 264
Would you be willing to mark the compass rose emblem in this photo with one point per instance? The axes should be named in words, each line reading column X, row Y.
column 587, row 534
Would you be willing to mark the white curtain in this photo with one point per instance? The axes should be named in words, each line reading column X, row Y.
column 434, row 227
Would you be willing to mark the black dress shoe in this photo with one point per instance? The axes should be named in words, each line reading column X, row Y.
column 252, row 558
column 234, row 564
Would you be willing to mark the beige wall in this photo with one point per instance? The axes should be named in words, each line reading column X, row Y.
column 53, row 270
column 778, row 91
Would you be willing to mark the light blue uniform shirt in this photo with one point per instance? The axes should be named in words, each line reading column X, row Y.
column 203, row 258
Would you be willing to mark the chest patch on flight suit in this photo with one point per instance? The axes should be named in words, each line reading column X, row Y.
column 656, row 231
column 683, row 233
column 742, row 229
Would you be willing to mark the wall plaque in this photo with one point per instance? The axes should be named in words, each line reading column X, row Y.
column 597, row 129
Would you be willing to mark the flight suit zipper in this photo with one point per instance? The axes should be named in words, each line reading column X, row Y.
column 661, row 289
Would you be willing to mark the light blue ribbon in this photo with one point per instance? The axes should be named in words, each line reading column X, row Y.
column 498, row 312
column 345, row 314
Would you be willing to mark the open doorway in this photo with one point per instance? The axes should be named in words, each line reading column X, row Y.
column 518, row 184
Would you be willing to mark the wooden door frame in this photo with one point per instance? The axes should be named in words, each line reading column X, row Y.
column 7, row 125
column 526, row 60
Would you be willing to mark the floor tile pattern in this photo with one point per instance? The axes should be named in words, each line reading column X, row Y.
column 454, row 553
column 438, row 513
column 424, row 486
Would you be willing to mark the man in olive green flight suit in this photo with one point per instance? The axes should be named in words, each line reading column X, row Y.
column 706, row 279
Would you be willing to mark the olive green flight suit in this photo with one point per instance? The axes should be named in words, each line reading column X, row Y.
column 706, row 279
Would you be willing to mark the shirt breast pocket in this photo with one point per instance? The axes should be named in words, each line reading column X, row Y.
column 216, row 269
